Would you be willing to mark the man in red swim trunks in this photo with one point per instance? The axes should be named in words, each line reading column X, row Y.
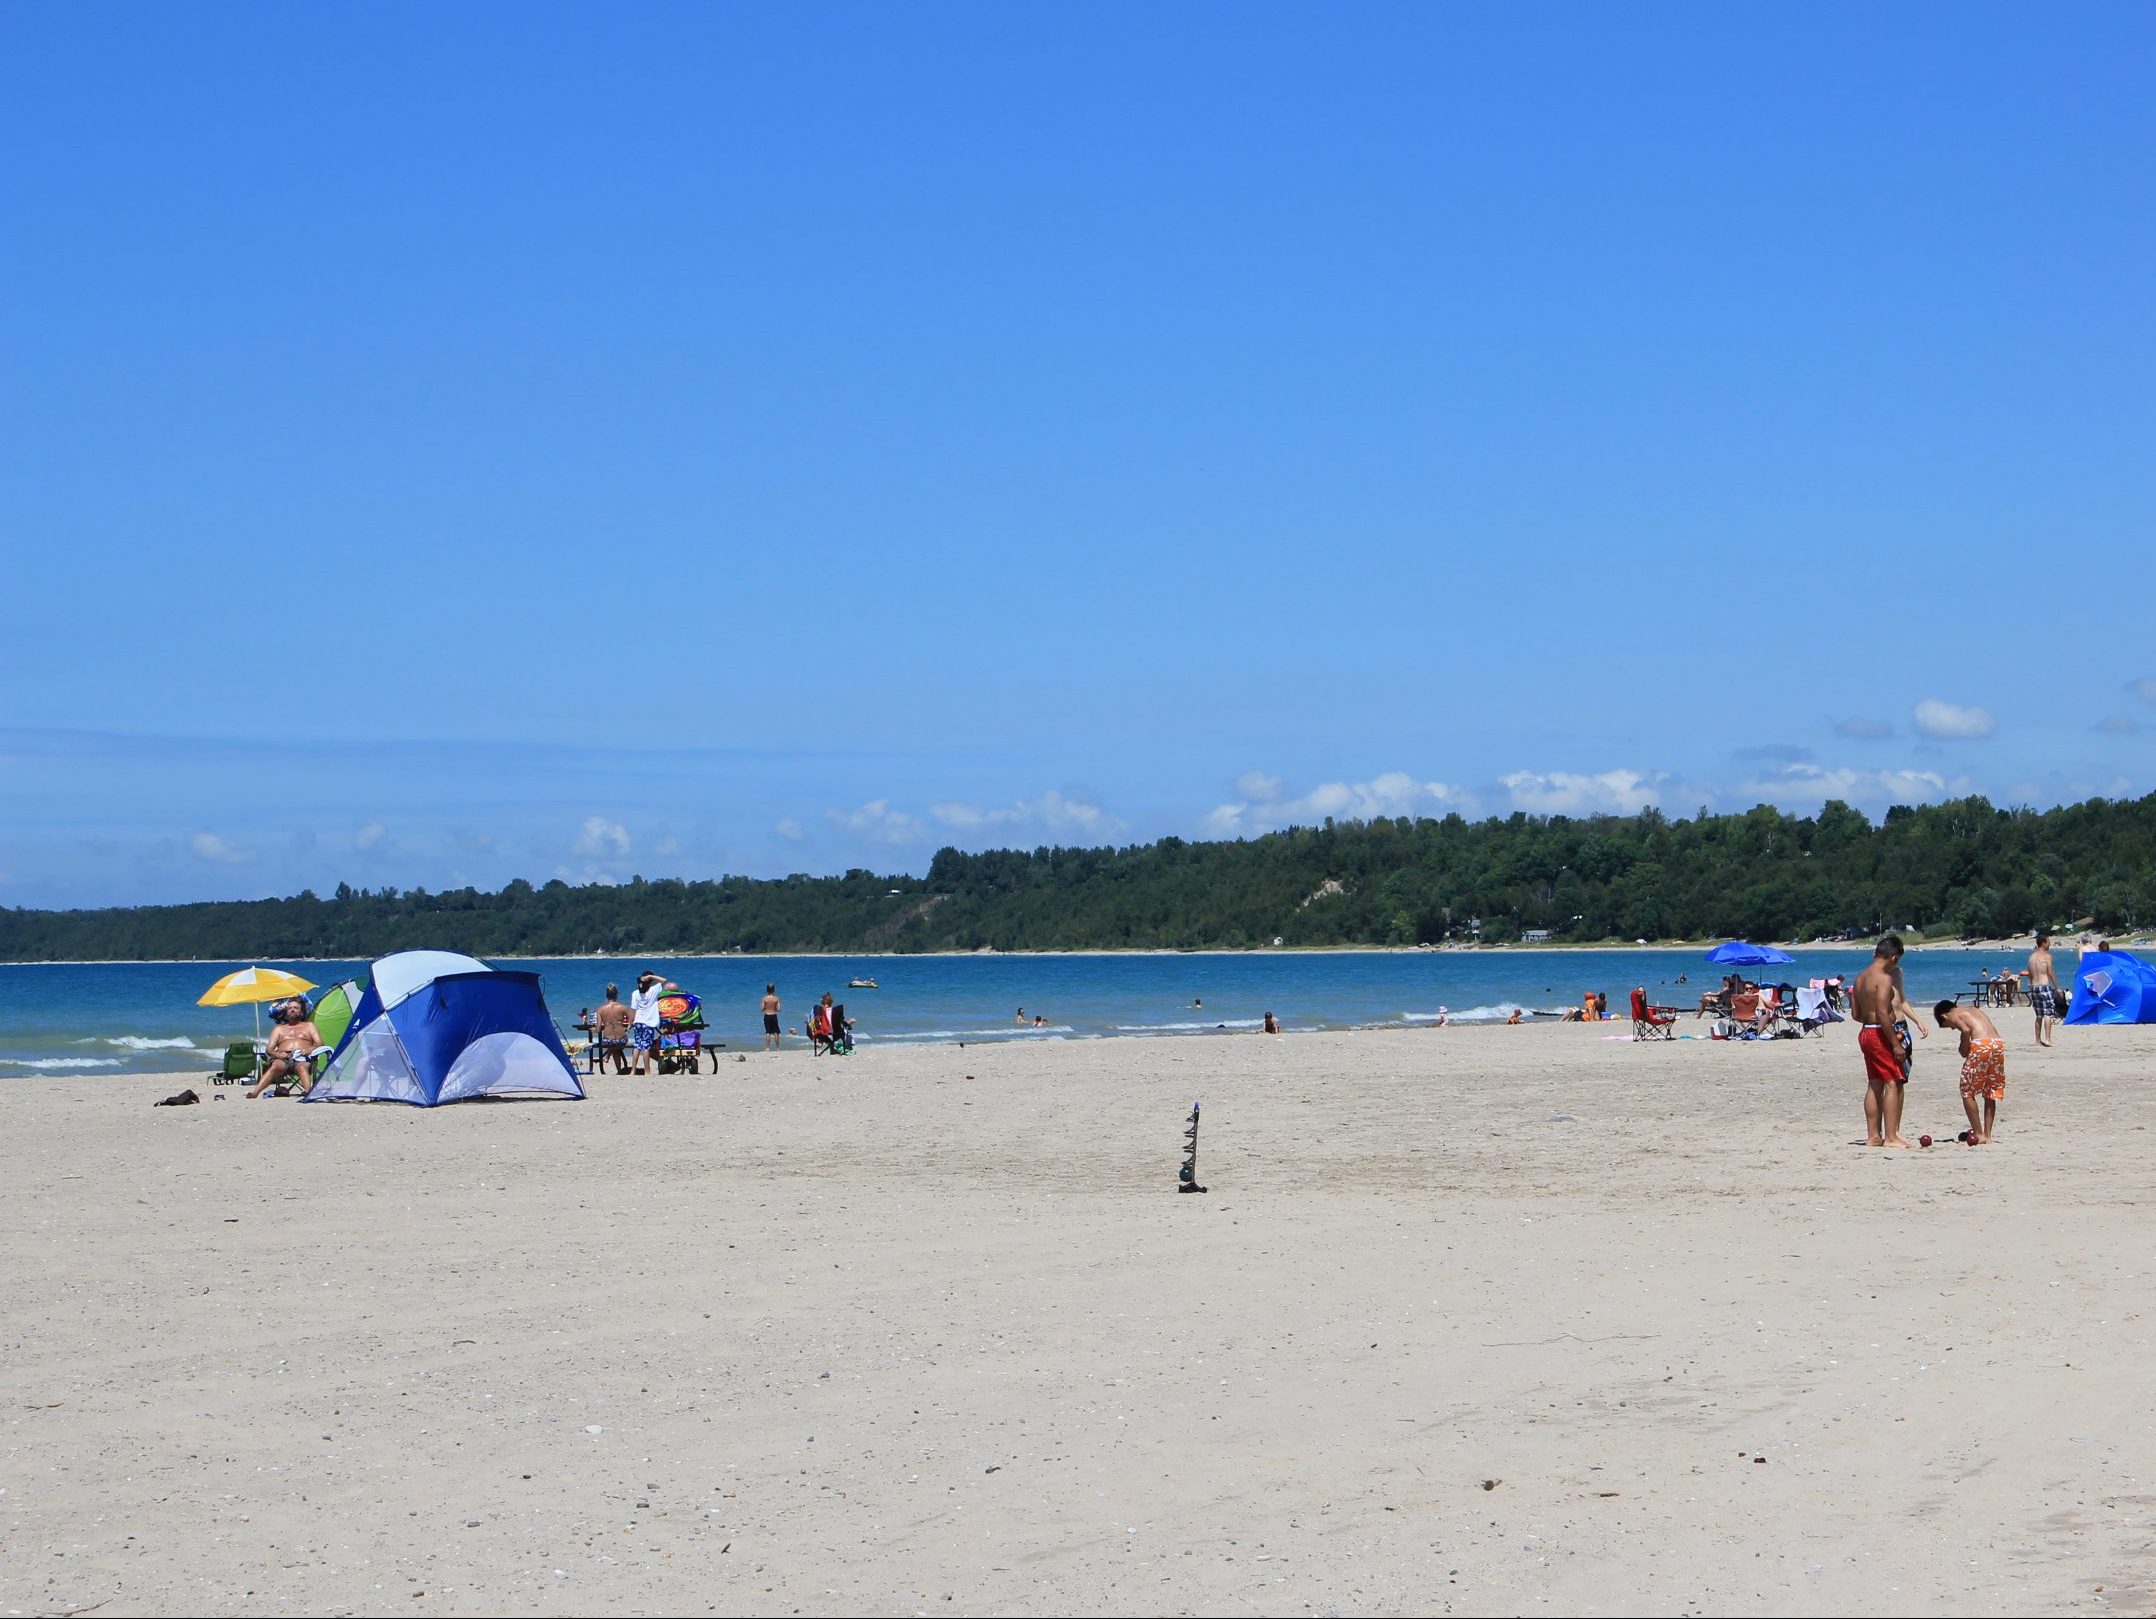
column 1878, row 1000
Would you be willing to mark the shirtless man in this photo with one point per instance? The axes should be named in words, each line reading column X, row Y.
column 1879, row 1000
column 613, row 1022
column 771, row 1017
column 1983, row 1066
column 2043, row 987
column 289, row 1043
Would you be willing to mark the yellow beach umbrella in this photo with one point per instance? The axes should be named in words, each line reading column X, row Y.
column 256, row 985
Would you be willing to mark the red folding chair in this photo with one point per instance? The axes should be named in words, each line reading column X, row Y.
column 1651, row 1022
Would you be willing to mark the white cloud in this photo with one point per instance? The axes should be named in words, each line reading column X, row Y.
column 2143, row 689
column 209, row 846
column 878, row 821
column 1393, row 793
column 1611, row 792
column 790, row 829
column 368, row 836
column 601, row 839
column 1951, row 722
column 1808, row 786
column 1053, row 812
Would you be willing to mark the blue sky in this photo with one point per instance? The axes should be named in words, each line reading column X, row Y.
column 443, row 444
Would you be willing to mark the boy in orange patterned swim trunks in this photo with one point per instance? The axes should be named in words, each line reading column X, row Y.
column 1983, row 1065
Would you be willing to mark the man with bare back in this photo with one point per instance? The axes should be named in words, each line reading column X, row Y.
column 1983, row 1066
column 2043, row 980
column 1884, row 1017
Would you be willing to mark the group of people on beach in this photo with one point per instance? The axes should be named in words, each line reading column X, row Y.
column 628, row 1034
column 1885, row 1020
column 827, row 1022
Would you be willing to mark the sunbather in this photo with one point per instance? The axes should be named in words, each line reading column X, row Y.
column 290, row 1044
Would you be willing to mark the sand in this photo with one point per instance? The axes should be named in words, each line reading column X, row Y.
column 1490, row 1320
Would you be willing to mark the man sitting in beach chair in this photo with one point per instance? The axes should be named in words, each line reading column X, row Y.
column 293, row 1046
column 1651, row 1022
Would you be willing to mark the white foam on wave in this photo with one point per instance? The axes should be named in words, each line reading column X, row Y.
column 141, row 1042
column 1482, row 1014
column 59, row 1062
column 1012, row 1033
column 1190, row 1028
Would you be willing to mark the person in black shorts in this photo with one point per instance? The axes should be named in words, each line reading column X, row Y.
column 771, row 1017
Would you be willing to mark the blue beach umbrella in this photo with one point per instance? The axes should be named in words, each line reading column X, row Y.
column 1743, row 953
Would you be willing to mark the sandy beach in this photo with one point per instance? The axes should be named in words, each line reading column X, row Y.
column 1489, row 1320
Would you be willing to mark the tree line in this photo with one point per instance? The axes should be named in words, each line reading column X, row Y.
column 1964, row 866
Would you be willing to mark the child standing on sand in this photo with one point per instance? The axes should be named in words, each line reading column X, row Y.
column 1983, row 1065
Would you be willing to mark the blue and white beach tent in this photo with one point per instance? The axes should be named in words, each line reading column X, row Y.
column 434, row 1027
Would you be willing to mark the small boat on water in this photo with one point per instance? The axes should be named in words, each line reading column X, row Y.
column 860, row 983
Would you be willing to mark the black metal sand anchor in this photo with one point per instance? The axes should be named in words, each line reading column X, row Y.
column 1186, row 1179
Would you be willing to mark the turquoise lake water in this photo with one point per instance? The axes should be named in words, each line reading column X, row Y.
column 142, row 1017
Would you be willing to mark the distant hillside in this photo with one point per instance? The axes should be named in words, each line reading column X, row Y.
column 1965, row 866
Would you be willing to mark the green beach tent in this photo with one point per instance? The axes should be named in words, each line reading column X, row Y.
column 333, row 1012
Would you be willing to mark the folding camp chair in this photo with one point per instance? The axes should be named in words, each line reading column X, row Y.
column 1815, row 1011
column 240, row 1064
column 1651, row 1022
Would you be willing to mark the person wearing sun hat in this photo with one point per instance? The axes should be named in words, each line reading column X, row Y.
column 644, row 1032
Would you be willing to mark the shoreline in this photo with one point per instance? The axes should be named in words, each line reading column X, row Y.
column 1602, row 947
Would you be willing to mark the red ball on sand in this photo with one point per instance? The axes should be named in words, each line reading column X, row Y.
column 1923, row 1141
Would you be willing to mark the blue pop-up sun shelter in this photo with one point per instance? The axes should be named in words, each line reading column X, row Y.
column 2111, row 986
column 434, row 1027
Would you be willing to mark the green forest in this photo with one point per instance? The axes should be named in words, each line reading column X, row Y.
column 1960, row 867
